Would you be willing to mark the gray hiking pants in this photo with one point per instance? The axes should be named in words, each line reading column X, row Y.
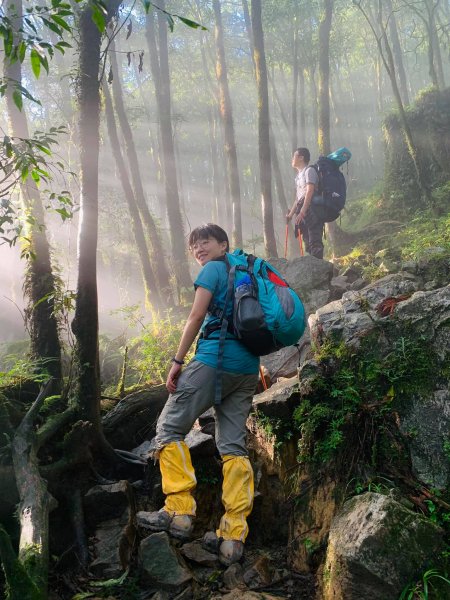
column 195, row 395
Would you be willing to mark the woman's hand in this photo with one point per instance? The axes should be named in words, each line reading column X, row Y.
column 172, row 377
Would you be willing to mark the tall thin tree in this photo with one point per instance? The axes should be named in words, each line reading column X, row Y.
column 265, row 169
column 159, row 64
column 157, row 257
column 152, row 292
column 39, row 281
column 226, row 115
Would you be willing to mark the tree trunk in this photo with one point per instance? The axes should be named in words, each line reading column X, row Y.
column 313, row 94
column 280, row 188
column 295, row 80
column 39, row 283
column 226, row 115
column 157, row 251
column 85, row 322
column 159, row 64
column 265, row 170
column 387, row 57
column 323, row 137
column 152, row 293
column 302, row 124
column 216, row 209
column 398, row 54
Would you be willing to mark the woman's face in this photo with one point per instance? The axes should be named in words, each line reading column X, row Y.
column 204, row 250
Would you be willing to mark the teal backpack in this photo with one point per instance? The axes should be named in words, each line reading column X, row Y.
column 267, row 313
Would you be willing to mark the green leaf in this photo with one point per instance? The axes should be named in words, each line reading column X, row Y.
column 35, row 175
column 99, row 18
column 190, row 23
column 17, row 98
column 60, row 21
column 147, row 5
column 52, row 26
column 8, row 42
column 35, row 63
column 170, row 21
column 24, row 173
column 44, row 149
column 21, row 50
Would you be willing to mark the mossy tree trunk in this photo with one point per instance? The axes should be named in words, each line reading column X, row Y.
column 85, row 322
column 39, row 283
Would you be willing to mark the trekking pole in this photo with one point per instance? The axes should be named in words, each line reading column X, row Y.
column 300, row 243
column 263, row 379
column 286, row 239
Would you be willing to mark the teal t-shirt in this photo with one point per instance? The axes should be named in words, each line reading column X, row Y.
column 236, row 358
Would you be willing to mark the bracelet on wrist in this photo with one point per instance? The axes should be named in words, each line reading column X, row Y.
column 176, row 361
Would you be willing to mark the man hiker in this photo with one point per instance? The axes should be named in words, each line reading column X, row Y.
column 309, row 219
column 192, row 392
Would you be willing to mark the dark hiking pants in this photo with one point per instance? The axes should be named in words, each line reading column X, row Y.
column 311, row 229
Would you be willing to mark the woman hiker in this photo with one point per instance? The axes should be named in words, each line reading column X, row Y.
column 192, row 391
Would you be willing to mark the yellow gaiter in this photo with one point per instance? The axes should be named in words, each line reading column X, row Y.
column 178, row 478
column 237, row 497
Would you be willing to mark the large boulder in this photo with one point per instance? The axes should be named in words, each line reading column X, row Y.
column 376, row 546
column 160, row 564
column 393, row 304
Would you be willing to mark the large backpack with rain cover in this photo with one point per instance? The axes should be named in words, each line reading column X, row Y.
column 332, row 188
column 267, row 313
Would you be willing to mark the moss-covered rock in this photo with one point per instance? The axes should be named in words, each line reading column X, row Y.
column 376, row 546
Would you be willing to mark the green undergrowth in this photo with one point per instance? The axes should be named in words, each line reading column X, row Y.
column 355, row 393
column 377, row 257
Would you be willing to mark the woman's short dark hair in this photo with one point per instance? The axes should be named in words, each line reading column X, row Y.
column 305, row 153
column 208, row 230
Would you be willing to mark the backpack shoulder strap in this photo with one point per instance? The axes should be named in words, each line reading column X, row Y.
column 223, row 335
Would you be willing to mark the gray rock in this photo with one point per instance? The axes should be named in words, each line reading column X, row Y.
column 279, row 400
column 310, row 277
column 260, row 573
column 352, row 273
column 358, row 284
column 113, row 546
column 410, row 266
column 355, row 314
column 426, row 421
column 376, row 547
column 160, row 564
column 161, row 595
column 339, row 285
column 207, row 422
column 284, row 362
column 196, row 553
column 233, row 577
column 186, row 594
column 105, row 502
column 200, row 444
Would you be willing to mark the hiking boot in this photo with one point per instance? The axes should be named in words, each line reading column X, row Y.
column 211, row 542
column 178, row 526
column 181, row 527
column 230, row 552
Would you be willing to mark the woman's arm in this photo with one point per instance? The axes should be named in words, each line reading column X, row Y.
column 194, row 321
